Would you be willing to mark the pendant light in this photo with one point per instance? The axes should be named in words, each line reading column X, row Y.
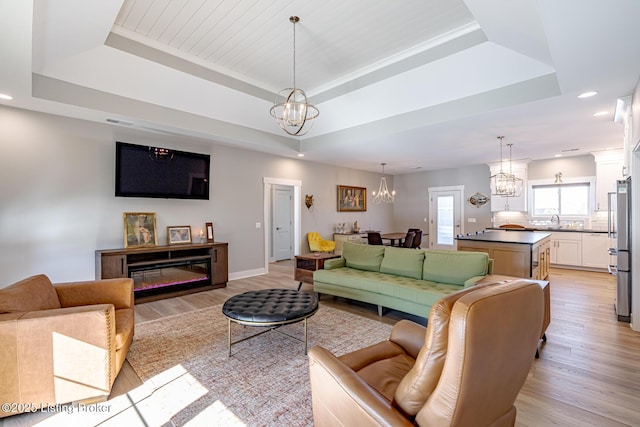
column 383, row 194
column 506, row 184
column 291, row 109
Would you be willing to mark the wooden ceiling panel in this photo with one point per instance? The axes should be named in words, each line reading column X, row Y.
column 254, row 38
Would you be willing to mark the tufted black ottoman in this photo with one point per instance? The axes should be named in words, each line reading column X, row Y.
column 271, row 308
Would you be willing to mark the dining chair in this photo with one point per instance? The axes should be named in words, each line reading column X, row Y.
column 408, row 240
column 417, row 239
column 374, row 238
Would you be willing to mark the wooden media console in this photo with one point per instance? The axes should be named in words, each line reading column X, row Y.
column 166, row 271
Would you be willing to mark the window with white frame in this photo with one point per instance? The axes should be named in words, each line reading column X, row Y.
column 562, row 199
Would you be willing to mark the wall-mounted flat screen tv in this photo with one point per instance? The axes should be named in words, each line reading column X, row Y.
column 143, row 171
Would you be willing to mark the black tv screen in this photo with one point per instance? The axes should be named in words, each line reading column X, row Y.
column 143, row 171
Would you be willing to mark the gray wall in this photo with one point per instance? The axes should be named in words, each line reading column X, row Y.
column 57, row 203
column 412, row 204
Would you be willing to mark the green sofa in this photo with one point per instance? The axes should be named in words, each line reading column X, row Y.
column 407, row 280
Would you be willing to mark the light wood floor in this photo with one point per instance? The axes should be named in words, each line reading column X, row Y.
column 588, row 373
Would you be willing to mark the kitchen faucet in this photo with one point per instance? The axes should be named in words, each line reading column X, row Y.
column 555, row 219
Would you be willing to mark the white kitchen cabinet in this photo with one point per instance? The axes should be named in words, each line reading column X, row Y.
column 608, row 171
column 501, row 203
column 566, row 248
column 595, row 250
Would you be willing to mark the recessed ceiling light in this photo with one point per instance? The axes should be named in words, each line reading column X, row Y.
column 7, row 97
column 587, row 94
column 600, row 113
column 557, row 155
column 300, row 155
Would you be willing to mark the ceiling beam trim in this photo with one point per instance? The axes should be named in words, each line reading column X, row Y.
column 173, row 60
column 528, row 91
column 440, row 51
column 166, row 118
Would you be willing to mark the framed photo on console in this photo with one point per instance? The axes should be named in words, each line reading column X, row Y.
column 209, row 227
column 177, row 235
column 140, row 229
column 352, row 199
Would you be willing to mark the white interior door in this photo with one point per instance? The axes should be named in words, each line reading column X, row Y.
column 282, row 202
column 445, row 217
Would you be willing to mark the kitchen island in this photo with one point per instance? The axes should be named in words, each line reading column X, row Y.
column 524, row 254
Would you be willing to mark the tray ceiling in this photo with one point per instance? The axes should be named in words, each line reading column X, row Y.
column 423, row 84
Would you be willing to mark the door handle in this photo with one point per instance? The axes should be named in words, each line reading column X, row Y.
column 610, row 223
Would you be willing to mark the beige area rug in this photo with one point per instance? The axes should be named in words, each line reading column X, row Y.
column 264, row 383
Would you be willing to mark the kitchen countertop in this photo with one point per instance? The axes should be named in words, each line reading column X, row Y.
column 504, row 236
column 549, row 230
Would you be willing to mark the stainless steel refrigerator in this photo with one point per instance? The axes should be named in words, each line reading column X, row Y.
column 620, row 230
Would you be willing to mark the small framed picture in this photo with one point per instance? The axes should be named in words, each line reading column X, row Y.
column 177, row 235
column 139, row 229
column 209, row 227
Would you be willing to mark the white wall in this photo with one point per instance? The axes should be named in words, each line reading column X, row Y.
column 573, row 166
column 57, row 203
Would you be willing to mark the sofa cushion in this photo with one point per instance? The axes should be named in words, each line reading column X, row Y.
column 403, row 262
column 398, row 287
column 454, row 267
column 385, row 372
column 363, row 257
column 31, row 294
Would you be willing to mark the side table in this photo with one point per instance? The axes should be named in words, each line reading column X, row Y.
column 308, row 263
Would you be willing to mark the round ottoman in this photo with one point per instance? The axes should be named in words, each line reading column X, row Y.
column 271, row 308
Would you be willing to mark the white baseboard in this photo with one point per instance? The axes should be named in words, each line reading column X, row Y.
column 247, row 273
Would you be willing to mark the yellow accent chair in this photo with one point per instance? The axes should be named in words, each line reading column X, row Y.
column 318, row 244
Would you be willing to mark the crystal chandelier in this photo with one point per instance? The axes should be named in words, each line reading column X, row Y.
column 383, row 194
column 506, row 184
column 291, row 109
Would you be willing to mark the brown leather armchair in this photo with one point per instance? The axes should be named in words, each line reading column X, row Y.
column 465, row 369
column 65, row 342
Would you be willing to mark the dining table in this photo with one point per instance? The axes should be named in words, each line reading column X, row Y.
column 392, row 237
